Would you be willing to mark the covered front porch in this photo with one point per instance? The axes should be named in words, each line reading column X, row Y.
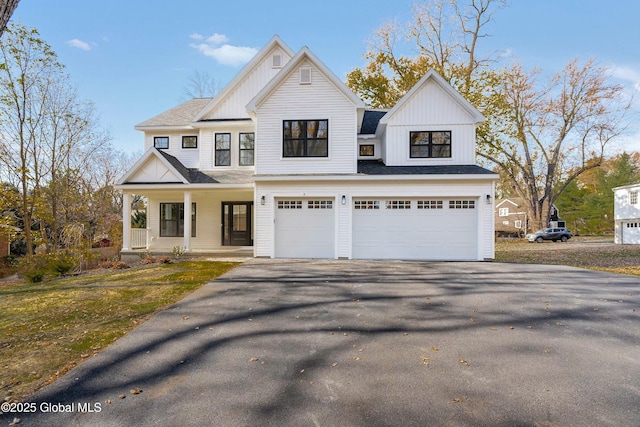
column 192, row 221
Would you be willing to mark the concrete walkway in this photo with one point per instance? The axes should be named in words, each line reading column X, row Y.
column 385, row 343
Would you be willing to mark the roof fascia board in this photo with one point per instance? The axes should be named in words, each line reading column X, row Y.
column 444, row 85
column 151, row 152
column 241, row 76
column 302, row 54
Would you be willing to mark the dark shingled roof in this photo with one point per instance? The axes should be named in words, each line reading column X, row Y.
column 375, row 167
column 193, row 176
column 370, row 121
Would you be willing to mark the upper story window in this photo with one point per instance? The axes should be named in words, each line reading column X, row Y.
column 367, row 150
column 430, row 144
column 223, row 149
column 305, row 138
column 633, row 197
column 503, row 212
column 190, row 141
column 161, row 142
column 247, row 146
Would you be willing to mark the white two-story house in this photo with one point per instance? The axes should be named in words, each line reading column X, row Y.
column 626, row 212
column 286, row 160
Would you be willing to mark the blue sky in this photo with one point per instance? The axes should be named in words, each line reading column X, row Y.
column 133, row 58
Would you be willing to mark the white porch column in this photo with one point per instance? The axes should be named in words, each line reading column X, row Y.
column 126, row 221
column 187, row 221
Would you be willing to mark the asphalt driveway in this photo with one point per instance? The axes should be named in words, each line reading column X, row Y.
column 360, row 343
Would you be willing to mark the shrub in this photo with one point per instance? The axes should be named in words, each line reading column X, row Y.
column 61, row 263
column 148, row 260
column 35, row 274
column 164, row 259
column 177, row 251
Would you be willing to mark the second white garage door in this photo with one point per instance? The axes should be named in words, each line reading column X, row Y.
column 424, row 229
column 304, row 228
column 631, row 233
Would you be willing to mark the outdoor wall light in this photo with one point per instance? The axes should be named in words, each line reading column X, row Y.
column 263, row 200
column 488, row 199
column 344, row 199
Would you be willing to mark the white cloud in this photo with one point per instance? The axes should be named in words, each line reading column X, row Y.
column 216, row 47
column 627, row 74
column 79, row 44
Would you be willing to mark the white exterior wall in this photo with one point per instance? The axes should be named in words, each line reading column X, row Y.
column 623, row 210
column 233, row 106
column 265, row 214
column 208, row 218
column 190, row 157
column 207, row 151
column 316, row 101
column 430, row 108
column 462, row 145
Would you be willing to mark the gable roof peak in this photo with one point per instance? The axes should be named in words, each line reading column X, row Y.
column 304, row 53
column 444, row 85
column 275, row 41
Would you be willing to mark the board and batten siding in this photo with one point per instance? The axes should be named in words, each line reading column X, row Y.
column 465, row 189
column 430, row 108
column 316, row 101
column 233, row 106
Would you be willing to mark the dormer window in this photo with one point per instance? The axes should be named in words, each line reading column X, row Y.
column 430, row 144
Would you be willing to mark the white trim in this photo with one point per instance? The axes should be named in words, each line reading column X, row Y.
column 302, row 54
column 444, row 85
column 181, row 187
column 303, row 178
column 151, row 152
column 243, row 74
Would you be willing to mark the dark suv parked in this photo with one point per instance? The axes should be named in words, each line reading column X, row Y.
column 553, row 234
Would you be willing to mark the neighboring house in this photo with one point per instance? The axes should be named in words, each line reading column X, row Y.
column 510, row 218
column 286, row 160
column 7, row 234
column 626, row 212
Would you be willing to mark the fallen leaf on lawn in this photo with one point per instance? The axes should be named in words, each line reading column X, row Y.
column 464, row 362
column 511, row 327
column 334, row 364
column 355, row 358
column 122, row 396
column 404, row 334
column 457, row 400
column 435, row 349
column 136, row 390
column 425, row 360
column 184, row 317
column 253, row 359
column 472, row 319
column 108, row 401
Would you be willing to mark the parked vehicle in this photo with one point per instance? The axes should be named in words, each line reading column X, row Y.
column 553, row 234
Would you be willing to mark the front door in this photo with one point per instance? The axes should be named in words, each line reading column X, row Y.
column 236, row 223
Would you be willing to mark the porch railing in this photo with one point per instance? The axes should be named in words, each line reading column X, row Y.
column 139, row 238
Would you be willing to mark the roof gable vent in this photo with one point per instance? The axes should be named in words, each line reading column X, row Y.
column 305, row 76
column 276, row 61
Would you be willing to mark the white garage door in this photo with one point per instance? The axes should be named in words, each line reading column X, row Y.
column 631, row 233
column 426, row 229
column 304, row 228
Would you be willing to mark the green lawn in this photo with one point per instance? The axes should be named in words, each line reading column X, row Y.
column 49, row 327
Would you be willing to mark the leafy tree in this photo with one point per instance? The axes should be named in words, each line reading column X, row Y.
column 539, row 135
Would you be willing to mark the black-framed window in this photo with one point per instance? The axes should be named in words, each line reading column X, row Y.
column 161, row 142
column 247, row 146
column 172, row 219
column 430, row 144
column 305, row 138
column 367, row 150
column 189, row 141
column 223, row 149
